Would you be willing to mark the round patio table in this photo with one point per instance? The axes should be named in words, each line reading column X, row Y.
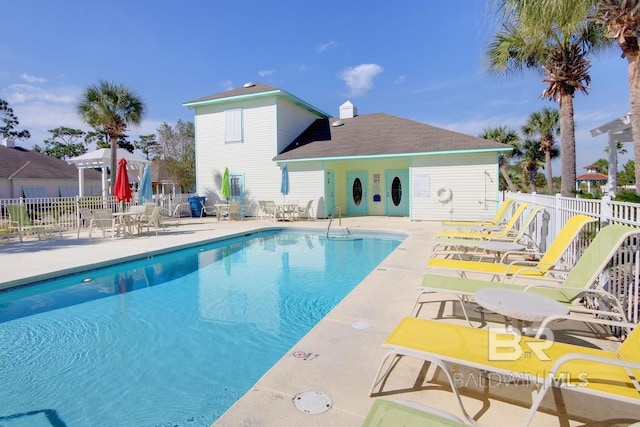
column 519, row 305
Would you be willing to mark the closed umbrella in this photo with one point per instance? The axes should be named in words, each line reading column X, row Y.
column 146, row 192
column 284, row 184
column 122, row 190
column 226, row 185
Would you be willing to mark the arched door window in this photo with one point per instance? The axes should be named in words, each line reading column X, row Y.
column 356, row 191
column 396, row 191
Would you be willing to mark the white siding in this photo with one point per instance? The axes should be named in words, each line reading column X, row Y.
column 292, row 121
column 472, row 179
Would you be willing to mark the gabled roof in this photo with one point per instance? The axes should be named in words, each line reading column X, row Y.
column 22, row 163
column 382, row 135
column 252, row 91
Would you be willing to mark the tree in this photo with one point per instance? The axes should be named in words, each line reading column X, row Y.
column 544, row 125
column 63, row 143
column 504, row 135
column 627, row 175
column 602, row 165
column 146, row 143
column 177, row 149
column 621, row 20
column 532, row 159
column 9, row 121
column 111, row 108
column 551, row 37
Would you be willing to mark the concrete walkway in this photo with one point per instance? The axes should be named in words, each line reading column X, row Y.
column 346, row 358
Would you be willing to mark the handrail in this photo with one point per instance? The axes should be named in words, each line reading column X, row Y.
column 331, row 219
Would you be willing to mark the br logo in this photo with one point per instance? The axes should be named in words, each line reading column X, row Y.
column 508, row 346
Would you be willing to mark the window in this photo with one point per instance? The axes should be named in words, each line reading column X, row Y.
column 233, row 125
column 34, row 191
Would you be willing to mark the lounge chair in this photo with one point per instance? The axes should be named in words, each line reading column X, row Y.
column 105, row 221
column 488, row 232
column 498, row 219
column 393, row 413
column 460, row 243
column 84, row 218
column 20, row 221
column 540, row 364
column 579, row 282
column 501, row 270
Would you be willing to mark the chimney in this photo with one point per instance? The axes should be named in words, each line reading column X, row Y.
column 9, row 142
column 348, row 110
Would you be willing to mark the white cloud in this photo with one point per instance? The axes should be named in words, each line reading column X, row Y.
column 324, row 46
column 263, row 73
column 226, row 84
column 400, row 79
column 32, row 79
column 23, row 93
column 359, row 79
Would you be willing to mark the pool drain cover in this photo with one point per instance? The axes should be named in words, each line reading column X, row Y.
column 360, row 325
column 312, row 402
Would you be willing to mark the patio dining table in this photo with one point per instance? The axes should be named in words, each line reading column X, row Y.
column 286, row 211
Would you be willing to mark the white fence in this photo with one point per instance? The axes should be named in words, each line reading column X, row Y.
column 63, row 212
column 623, row 276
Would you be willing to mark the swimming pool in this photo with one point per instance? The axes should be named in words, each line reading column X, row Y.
column 173, row 340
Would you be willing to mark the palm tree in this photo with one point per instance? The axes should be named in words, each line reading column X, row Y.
column 111, row 108
column 544, row 124
column 504, row 135
column 621, row 19
column 548, row 37
column 532, row 160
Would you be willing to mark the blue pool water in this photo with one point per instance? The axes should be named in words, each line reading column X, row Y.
column 173, row 340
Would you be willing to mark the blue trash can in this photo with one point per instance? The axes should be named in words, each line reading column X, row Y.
column 196, row 203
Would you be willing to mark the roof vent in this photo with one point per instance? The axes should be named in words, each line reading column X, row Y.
column 248, row 84
column 337, row 123
column 348, row 110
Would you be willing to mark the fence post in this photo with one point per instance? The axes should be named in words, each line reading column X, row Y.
column 606, row 209
column 558, row 217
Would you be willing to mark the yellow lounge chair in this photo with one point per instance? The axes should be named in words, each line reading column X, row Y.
column 489, row 232
column 579, row 282
column 497, row 220
column 540, row 364
column 500, row 270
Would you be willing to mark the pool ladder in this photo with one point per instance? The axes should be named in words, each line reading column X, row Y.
column 337, row 208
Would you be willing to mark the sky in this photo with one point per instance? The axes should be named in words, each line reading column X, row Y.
column 415, row 59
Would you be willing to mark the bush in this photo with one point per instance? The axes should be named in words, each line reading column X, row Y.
column 627, row 196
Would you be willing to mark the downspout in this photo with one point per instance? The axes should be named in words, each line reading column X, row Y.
column 11, row 177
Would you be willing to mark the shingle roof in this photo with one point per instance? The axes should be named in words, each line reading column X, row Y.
column 22, row 163
column 379, row 135
column 252, row 91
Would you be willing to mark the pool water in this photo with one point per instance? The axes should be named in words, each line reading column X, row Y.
column 173, row 340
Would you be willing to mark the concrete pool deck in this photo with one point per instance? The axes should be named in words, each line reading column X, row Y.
column 343, row 358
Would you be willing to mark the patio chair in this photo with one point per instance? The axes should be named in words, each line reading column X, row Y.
column 541, row 365
column 269, row 210
column 486, row 232
column 235, row 210
column 304, row 212
column 85, row 216
column 105, row 221
column 551, row 259
column 498, row 219
column 20, row 221
column 579, row 283
column 172, row 216
column 154, row 220
column 400, row 412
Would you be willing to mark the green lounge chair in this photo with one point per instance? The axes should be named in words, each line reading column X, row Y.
column 541, row 365
column 500, row 271
column 20, row 221
column 579, row 282
column 394, row 413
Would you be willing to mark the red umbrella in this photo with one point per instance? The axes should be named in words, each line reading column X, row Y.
column 122, row 190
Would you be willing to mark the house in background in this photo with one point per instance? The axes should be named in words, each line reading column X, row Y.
column 26, row 173
column 371, row 164
column 592, row 178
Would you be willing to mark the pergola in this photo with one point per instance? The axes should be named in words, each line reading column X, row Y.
column 619, row 130
column 101, row 158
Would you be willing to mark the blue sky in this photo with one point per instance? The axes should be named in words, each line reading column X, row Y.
column 420, row 60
